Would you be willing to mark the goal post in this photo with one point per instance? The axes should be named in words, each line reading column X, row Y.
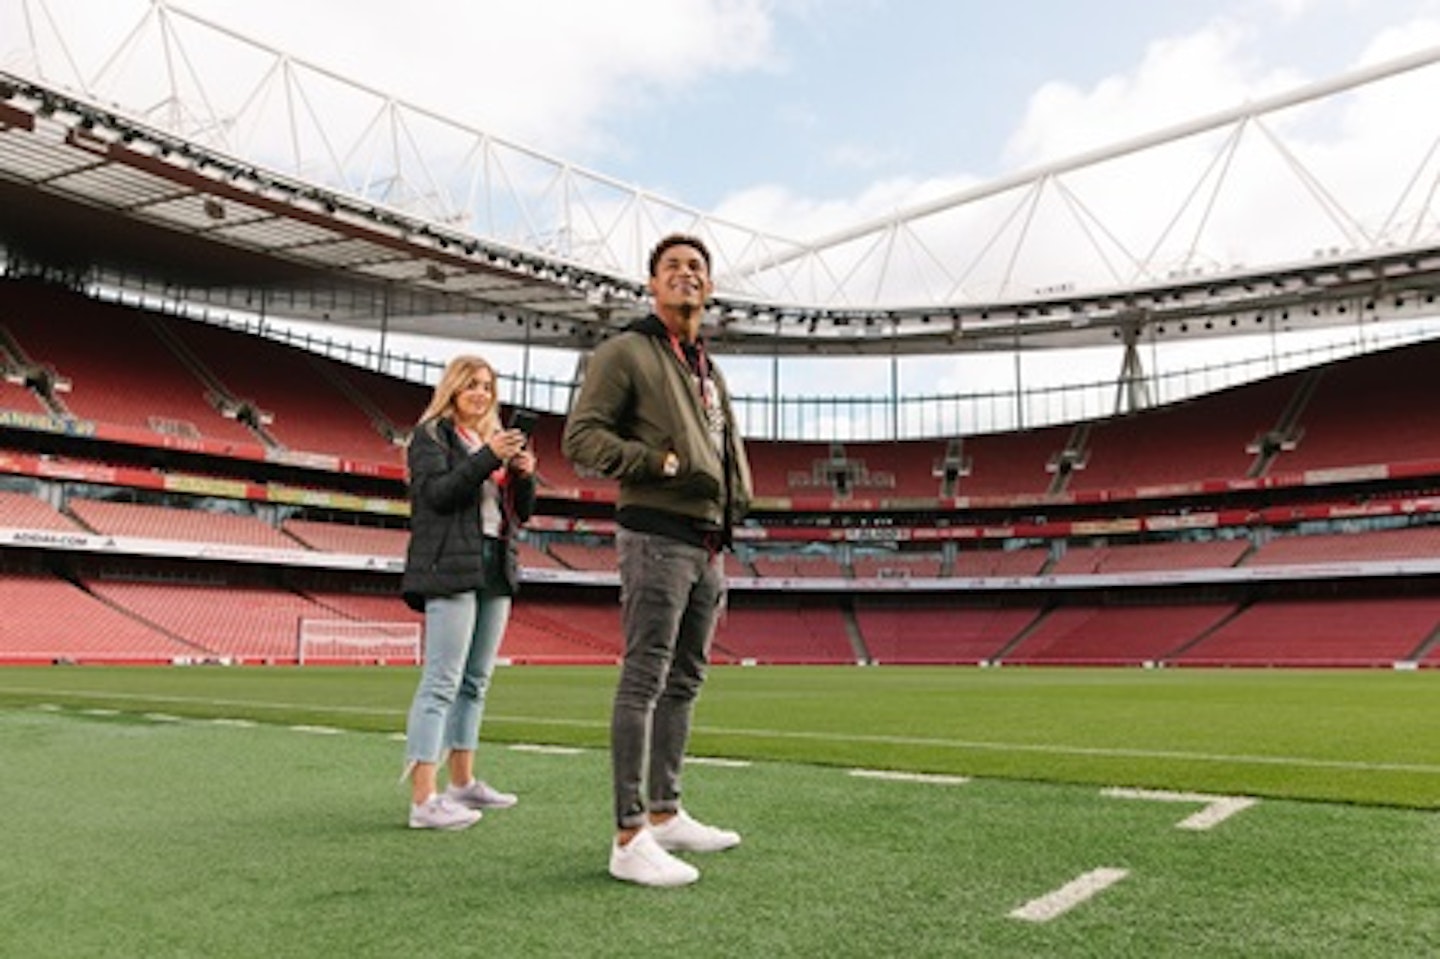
column 350, row 641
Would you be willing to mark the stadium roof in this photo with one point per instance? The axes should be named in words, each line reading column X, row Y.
column 115, row 197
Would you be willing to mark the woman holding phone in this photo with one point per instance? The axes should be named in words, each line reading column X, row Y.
column 472, row 485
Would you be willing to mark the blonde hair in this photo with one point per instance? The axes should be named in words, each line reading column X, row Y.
column 457, row 376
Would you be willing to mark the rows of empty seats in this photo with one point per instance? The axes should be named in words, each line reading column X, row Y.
column 1319, row 633
column 793, row 633
column 1377, row 408
column 145, row 371
column 1417, row 542
column 1113, row 635
column 1141, row 557
column 102, row 617
column 1000, row 562
column 586, row 557
column 545, row 630
column 147, row 521
column 154, row 372
column 238, row 619
column 309, row 412
column 896, row 565
column 921, row 630
column 796, row 566
column 347, row 538
column 116, row 367
column 1205, row 438
column 16, row 396
column 48, row 619
column 23, row 511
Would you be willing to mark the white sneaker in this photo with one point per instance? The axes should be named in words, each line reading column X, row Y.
column 480, row 795
column 642, row 861
column 442, row 812
column 680, row 833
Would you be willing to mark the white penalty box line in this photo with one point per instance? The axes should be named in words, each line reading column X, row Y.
column 1217, row 808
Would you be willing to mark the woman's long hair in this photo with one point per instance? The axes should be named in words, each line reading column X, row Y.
column 458, row 374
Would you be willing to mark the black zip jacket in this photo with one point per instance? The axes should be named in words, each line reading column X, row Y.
column 448, row 553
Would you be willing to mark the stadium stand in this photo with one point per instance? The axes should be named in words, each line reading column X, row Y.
column 792, row 565
column 782, row 470
column 896, row 565
column 936, row 630
column 23, row 511
column 912, row 469
column 1333, row 632
column 588, row 557
column 174, row 523
column 547, row 629
column 1187, row 492
column 1010, row 464
column 797, row 630
column 1212, row 554
column 1028, row 561
column 49, row 620
column 1113, row 635
column 15, row 395
column 110, row 366
column 1200, row 439
column 347, row 538
column 1396, row 421
column 555, row 471
column 238, row 617
column 1417, row 542
column 299, row 407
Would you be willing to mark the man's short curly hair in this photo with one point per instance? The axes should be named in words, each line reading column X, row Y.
column 678, row 239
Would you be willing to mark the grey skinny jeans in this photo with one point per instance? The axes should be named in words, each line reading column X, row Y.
column 671, row 594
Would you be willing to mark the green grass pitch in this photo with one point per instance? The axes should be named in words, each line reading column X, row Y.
column 136, row 824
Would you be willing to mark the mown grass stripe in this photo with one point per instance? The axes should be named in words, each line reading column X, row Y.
column 1055, row 749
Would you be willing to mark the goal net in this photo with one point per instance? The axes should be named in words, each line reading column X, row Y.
column 356, row 642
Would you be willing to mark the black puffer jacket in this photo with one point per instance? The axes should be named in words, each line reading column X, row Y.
column 448, row 552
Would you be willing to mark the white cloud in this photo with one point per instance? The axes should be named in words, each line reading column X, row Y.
column 1179, row 78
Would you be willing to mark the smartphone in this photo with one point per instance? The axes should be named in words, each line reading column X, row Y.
column 523, row 420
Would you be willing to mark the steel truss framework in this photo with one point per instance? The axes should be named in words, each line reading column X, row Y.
column 194, row 164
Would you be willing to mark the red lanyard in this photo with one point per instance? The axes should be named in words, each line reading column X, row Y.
column 701, row 368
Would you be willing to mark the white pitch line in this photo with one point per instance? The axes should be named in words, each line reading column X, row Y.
column 1217, row 808
column 318, row 730
column 99, row 712
column 237, row 723
column 162, row 718
column 893, row 776
column 1217, row 812
column 1070, row 895
column 546, row 750
column 717, row 761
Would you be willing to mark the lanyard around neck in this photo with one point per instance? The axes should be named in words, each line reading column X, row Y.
column 701, row 368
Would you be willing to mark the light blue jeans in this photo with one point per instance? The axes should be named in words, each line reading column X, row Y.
column 462, row 638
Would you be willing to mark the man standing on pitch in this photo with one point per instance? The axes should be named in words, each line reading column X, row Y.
column 653, row 413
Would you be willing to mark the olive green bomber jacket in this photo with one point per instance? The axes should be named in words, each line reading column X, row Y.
column 637, row 403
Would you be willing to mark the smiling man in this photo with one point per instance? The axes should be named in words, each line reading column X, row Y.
column 654, row 414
